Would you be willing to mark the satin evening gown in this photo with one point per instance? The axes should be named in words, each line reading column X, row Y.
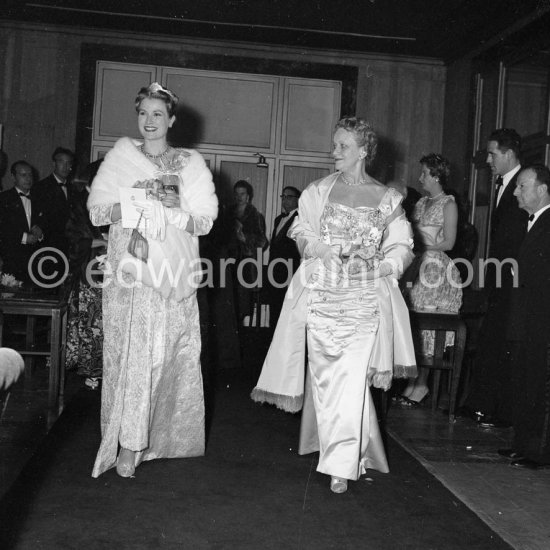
column 343, row 317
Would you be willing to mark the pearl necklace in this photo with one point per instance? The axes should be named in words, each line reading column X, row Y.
column 162, row 155
column 352, row 183
column 438, row 195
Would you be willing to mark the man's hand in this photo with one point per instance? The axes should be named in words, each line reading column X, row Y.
column 37, row 232
column 31, row 238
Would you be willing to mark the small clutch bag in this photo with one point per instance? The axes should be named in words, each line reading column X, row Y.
column 138, row 246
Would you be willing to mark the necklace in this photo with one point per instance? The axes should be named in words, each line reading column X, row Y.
column 350, row 182
column 162, row 155
column 438, row 195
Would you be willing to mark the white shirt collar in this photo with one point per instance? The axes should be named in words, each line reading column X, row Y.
column 536, row 216
column 26, row 193
column 283, row 220
column 291, row 213
column 509, row 175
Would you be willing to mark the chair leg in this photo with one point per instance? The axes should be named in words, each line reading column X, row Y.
column 454, row 391
column 435, row 392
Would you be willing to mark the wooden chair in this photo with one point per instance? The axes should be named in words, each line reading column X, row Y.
column 449, row 359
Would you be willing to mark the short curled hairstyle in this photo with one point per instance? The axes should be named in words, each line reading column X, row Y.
column 363, row 134
column 507, row 139
column 243, row 184
column 438, row 166
column 156, row 91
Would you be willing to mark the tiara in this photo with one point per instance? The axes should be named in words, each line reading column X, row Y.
column 156, row 87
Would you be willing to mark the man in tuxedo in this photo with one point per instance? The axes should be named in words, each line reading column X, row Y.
column 55, row 193
column 529, row 325
column 491, row 391
column 284, row 257
column 21, row 221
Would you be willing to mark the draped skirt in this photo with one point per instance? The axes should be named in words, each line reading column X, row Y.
column 338, row 418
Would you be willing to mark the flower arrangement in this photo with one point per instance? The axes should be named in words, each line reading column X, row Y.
column 363, row 252
column 9, row 281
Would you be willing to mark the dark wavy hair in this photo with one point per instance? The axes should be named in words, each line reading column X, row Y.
column 62, row 151
column 245, row 185
column 507, row 138
column 438, row 166
column 156, row 91
column 363, row 134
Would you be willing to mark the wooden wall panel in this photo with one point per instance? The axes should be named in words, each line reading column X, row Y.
column 526, row 100
column 299, row 176
column 117, row 85
column 240, row 107
column 457, row 123
column 405, row 106
column 48, row 116
column 39, row 97
column 311, row 111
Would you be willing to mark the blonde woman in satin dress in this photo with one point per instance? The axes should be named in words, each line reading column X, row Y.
column 355, row 242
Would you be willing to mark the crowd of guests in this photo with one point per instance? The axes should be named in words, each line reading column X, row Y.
column 340, row 317
column 34, row 215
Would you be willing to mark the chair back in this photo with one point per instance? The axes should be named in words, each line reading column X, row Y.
column 443, row 359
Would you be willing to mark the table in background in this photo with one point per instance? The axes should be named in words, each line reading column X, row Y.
column 51, row 303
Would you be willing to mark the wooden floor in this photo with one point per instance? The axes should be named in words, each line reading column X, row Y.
column 515, row 503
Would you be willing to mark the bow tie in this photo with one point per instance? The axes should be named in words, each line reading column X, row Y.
column 531, row 217
column 24, row 195
column 284, row 214
column 63, row 184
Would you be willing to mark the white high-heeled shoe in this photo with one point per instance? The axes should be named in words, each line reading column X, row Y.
column 338, row 484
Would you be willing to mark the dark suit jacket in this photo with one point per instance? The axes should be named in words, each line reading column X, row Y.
column 13, row 223
column 57, row 208
column 529, row 332
column 530, row 304
column 283, row 247
column 508, row 227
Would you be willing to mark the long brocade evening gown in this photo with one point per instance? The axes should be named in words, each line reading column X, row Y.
column 152, row 396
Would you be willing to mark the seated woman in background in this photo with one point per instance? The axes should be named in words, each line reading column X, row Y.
column 437, row 285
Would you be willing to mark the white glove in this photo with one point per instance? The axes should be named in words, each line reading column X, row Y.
column 331, row 260
column 177, row 217
column 155, row 219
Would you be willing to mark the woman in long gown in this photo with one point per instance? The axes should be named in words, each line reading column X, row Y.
column 152, row 395
column 438, row 285
column 247, row 239
column 355, row 242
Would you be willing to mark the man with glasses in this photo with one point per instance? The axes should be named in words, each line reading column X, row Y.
column 284, row 257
